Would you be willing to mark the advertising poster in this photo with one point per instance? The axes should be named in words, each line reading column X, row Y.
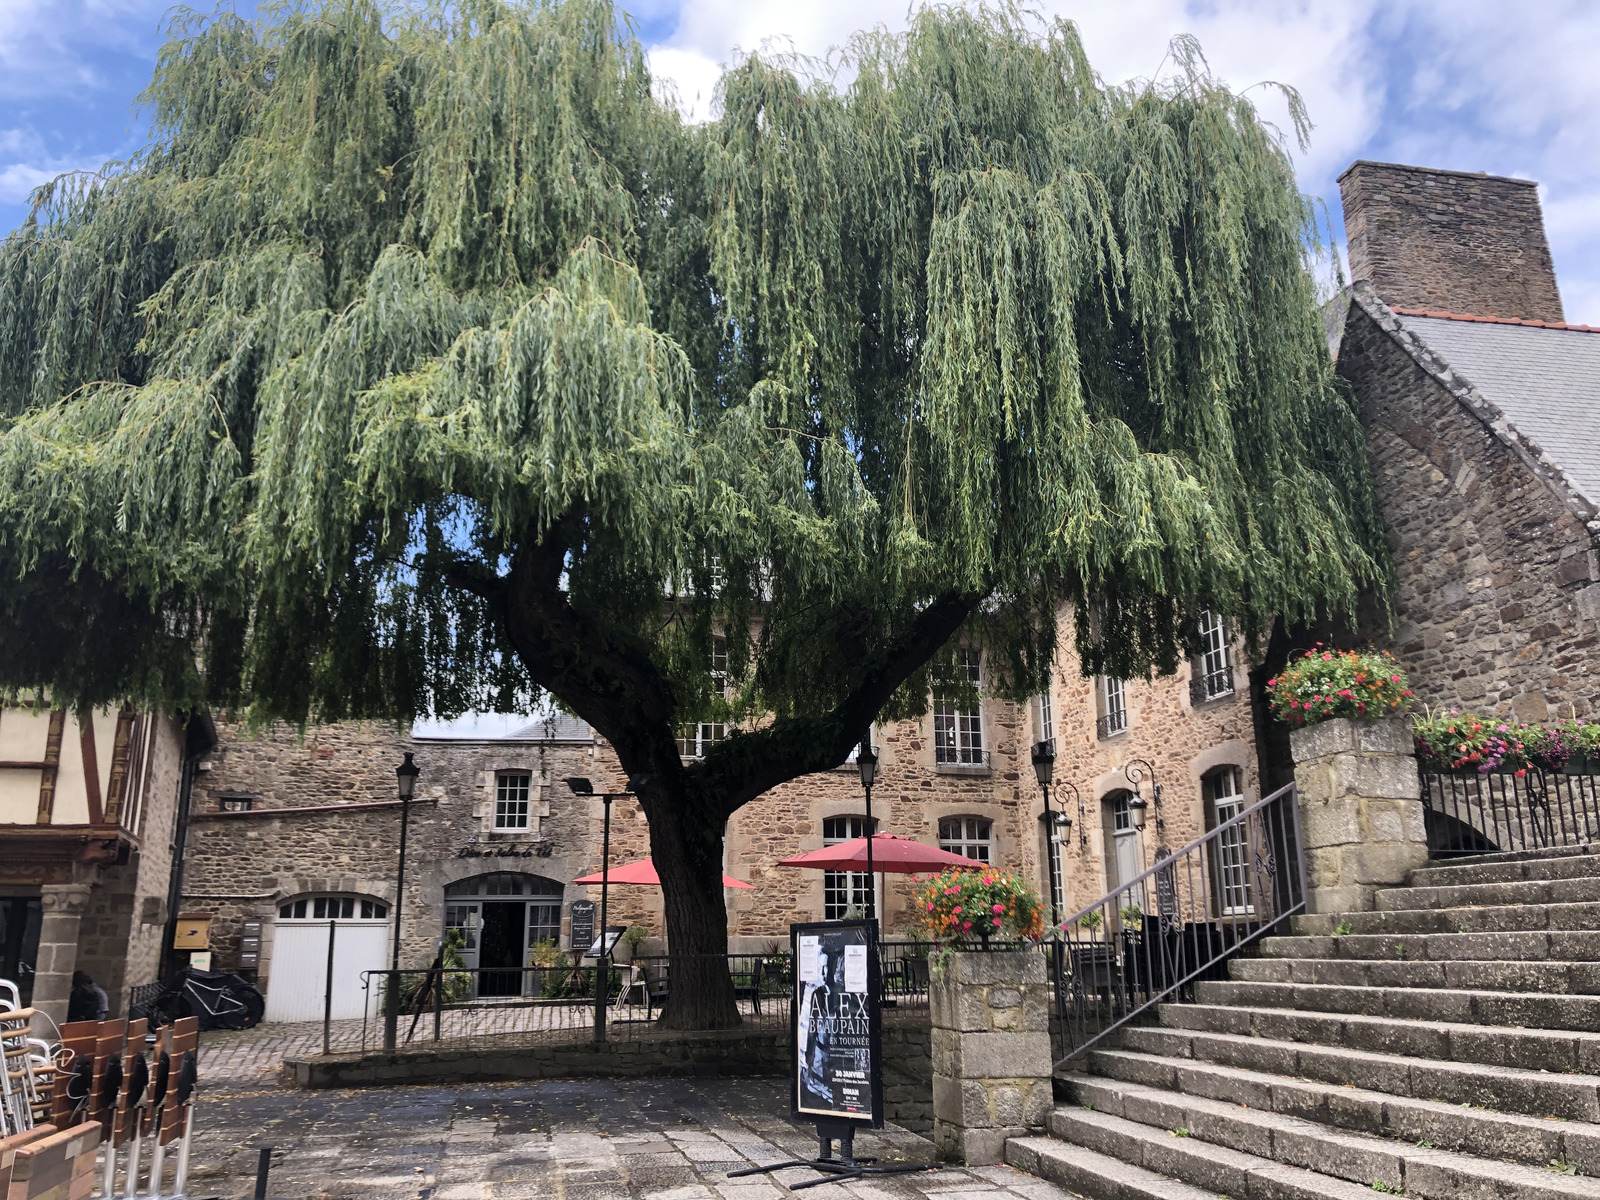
column 836, row 1021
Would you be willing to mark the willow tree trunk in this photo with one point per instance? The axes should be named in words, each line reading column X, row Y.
column 686, row 840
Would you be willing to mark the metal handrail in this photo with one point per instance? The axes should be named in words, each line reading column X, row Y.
column 1472, row 812
column 1114, row 959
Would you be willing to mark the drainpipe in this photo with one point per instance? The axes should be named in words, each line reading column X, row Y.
column 200, row 738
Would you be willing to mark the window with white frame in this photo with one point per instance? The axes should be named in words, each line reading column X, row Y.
column 511, row 791
column 958, row 730
column 1214, row 670
column 697, row 737
column 1111, row 699
column 967, row 836
column 845, row 893
column 1231, row 858
column 333, row 908
column 1044, row 721
column 1055, row 834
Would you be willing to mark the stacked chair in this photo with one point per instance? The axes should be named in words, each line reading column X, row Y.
column 91, row 1104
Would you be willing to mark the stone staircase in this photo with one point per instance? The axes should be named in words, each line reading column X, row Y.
column 1445, row 1046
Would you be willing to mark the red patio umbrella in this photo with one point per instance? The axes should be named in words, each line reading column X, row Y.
column 644, row 872
column 891, row 855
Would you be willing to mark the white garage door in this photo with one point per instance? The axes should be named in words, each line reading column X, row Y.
column 299, row 973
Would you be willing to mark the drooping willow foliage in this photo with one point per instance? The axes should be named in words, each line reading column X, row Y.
column 394, row 293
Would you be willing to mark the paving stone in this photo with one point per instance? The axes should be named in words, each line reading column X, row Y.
column 590, row 1139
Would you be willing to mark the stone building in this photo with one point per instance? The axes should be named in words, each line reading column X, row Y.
column 288, row 830
column 1482, row 411
column 90, row 809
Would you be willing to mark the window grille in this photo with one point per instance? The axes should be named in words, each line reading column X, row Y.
column 1225, row 798
column 969, row 836
column 1213, row 672
column 1113, row 705
column 511, row 801
column 957, row 731
column 336, row 908
column 845, row 890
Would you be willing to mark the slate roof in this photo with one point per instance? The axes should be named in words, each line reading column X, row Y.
column 556, row 728
column 1544, row 378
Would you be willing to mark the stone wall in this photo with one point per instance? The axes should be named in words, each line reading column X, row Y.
column 241, row 866
column 1498, row 604
column 1447, row 240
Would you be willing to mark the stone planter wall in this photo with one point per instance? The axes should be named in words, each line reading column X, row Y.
column 991, row 1053
column 1361, row 820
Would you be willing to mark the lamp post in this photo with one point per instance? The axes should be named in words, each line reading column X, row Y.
column 867, row 764
column 602, row 960
column 1044, row 762
column 406, row 779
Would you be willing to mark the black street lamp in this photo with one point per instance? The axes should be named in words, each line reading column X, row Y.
column 867, row 764
column 1135, row 773
column 406, row 780
column 602, row 962
column 1044, row 764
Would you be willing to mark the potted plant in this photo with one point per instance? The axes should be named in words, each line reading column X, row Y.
column 965, row 903
column 1324, row 684
column 633, row 937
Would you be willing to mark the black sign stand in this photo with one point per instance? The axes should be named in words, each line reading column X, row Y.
column 826, row 957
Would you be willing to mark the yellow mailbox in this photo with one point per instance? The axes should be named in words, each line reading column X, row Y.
column 193, row 932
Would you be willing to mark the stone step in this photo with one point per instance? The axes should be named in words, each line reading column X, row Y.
column 1224, row 1145
column 1438, row 1041
column 1522, row 891
column 1578, row 916
column 1507, row 1089
column 1449, row 874
column 1564, row 978
column 1538, row 1010
column 1522, row 945
column 1574, row 851
column 1536, row 1140
column 1101, row 1177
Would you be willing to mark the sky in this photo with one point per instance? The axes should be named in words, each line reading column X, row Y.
column 1475, row 85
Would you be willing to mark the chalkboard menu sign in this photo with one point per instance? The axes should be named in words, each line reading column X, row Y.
column 582, row 935
column 837, row 1018
column 1167, row 891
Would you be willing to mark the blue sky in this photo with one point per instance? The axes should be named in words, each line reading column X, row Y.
column 1502, row 87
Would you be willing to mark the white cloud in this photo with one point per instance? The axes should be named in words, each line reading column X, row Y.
column 58, row 47
column 1468, row 84
column 25, row 163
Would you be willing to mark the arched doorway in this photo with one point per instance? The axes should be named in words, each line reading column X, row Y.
column 499, row 919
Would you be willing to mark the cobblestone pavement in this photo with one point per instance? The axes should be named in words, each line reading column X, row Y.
column 648, row 1139
column 254, row 1055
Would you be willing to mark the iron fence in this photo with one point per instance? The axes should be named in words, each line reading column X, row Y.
column 549, row 1004
column 1178, row 922
column 1528, row 809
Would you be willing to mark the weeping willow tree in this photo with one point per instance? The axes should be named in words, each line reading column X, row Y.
column 427, row 361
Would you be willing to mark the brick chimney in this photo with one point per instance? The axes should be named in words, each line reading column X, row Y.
column 1449, row 240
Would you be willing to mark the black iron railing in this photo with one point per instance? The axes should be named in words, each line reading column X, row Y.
column 549, row 1004
column 1487, row 812
column 1178, row 922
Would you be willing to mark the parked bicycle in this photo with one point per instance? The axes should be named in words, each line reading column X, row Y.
column 220, row 1000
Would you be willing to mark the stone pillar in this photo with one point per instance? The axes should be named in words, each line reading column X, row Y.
column 63, row 905
column 991, row 1053
column 1361, row 821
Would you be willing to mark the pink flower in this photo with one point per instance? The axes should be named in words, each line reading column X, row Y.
column 966, row 924
column 997, row 920
column 999, row 908
column 956, row 911
column 930, row 908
